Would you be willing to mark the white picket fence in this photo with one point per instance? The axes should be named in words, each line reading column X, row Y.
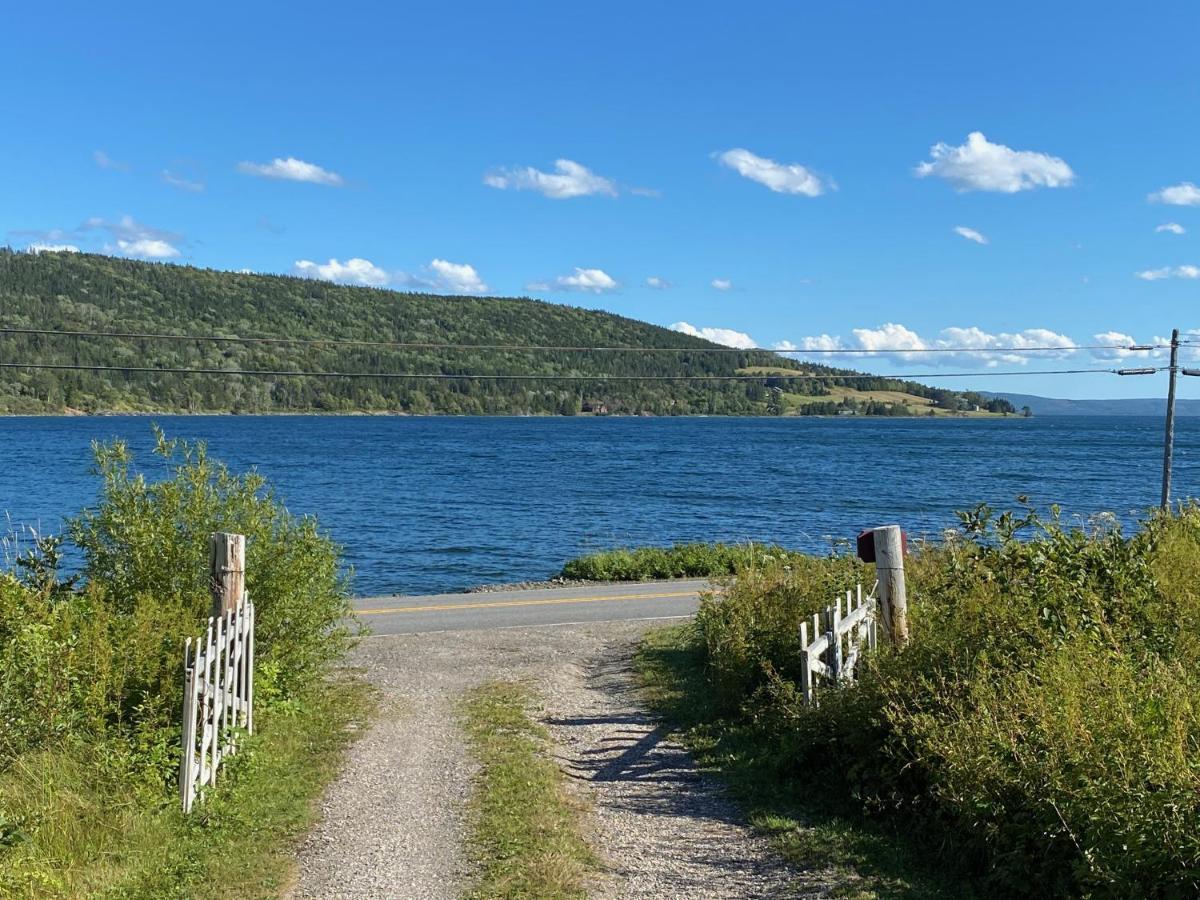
column 839, row 635
column 218, row 698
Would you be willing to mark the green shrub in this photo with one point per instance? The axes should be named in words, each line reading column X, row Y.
column 75, row 669
column 1042, row 726
column 91, row 673
column 150, row 539
column 696, row 560
column 752, row 630
column 103, row 662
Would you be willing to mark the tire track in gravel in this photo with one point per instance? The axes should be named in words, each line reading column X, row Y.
column 394, row 824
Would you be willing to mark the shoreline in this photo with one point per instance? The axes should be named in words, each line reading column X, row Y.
column 383, row 414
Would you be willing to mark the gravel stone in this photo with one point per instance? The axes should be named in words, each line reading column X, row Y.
column 393, row 822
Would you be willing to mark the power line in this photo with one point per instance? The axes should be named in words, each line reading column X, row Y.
column 482, row 376
column 564, row 348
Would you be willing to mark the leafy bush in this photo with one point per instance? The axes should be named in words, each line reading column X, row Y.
column 1043, row 724
column 696, row 560
column 91, row 672
column 752, row 630
column 151, row 539
column 105, row 661
column 76, row 668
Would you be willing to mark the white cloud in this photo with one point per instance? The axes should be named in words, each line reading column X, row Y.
column 889, row 336
column 147, row 248
column 1185, row 271
column 823, row 342
column 40, row 247
column 104, row 161
column 782, row 178
column 132, row 238
column 352, row 271
column 291, row 169
column 1173, row 227
column 979, row 165
column 659, row 284
column 460, row 278
column 184, row 184
column 124, row 237
column 1183, row 194
column 967, row 347
column 953, row 346
column 726, row 336
column 569, row 179
column 1121, row 342
column 594, row 281
column 970, row 234
column 722, row 284
column 445, row 277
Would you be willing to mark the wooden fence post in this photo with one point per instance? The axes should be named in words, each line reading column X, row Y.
column 226, row 570
column 893, row 599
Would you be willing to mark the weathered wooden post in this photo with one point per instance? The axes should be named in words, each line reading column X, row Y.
column 889, row 566
column 226, row 570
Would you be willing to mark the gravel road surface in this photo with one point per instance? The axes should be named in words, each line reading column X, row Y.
column 393, row 821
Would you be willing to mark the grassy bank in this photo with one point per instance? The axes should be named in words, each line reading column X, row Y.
column 695, row 560
column 91, row 690
column 813, row 829
column 75, row 831
column 1040, row 733
column 525, row 831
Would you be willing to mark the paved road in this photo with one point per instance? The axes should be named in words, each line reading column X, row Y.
column 542, row 606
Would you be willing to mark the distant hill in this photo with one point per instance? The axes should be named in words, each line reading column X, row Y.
column 83, row 292
column 1049, row 406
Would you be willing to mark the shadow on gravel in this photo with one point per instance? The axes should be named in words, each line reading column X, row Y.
column 635, row 751
column 671, row 810
column 816, row 832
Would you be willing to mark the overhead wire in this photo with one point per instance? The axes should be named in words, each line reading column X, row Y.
column 503, row 376
column 559, row 348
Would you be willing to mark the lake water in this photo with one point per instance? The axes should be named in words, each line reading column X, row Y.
column 436, row 504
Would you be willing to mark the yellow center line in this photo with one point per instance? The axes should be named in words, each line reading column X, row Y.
column 501, row 603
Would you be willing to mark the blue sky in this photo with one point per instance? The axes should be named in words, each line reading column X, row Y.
column 789, row 173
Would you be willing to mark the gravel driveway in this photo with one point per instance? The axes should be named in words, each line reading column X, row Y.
column 392, row 823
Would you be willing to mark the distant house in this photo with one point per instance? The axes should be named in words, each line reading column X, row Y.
column 847, row 412
column 596, row 409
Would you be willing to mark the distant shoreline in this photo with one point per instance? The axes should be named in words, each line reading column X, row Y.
column 976, row 417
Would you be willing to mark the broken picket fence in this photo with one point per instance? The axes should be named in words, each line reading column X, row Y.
column 218, row 698
column 839, row 636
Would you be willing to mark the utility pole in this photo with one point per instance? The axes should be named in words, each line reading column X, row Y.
column 1174, row 371
column 1169, row 439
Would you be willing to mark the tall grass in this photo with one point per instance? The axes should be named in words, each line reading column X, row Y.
column 75, row 829
column 1042, row 728
column 525, row 829
column 695, row 560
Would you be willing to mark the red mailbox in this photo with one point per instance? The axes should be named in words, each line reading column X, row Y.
column 866, row 544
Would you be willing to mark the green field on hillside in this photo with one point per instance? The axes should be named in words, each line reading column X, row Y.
column 885, row 397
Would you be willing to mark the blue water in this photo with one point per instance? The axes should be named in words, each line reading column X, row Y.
column 434, row 504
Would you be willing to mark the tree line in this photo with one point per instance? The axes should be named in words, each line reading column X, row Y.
column 69, row 291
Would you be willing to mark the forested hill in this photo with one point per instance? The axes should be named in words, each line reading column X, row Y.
column 82, row 292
